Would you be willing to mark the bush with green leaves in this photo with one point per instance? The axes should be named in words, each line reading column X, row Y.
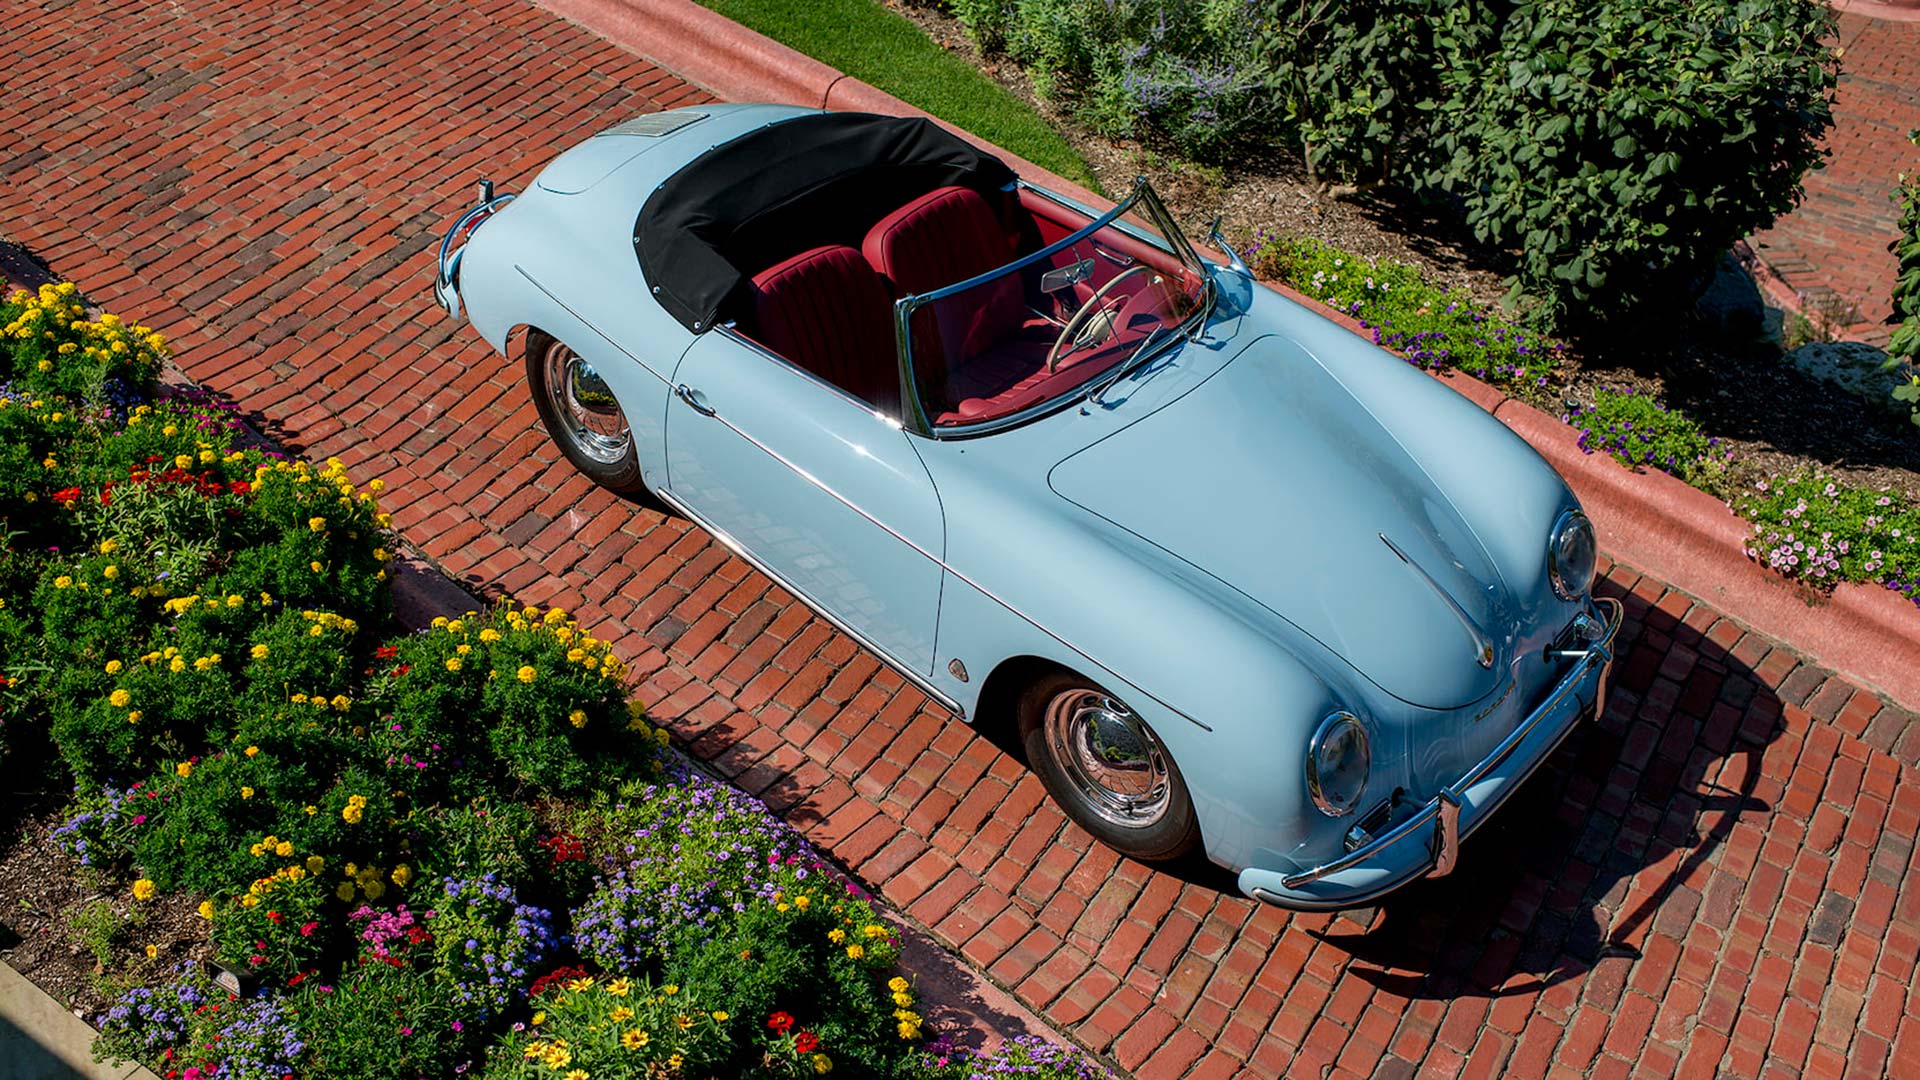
column 384, row 1019
column 1638, row 430
column 201, row 816
column 49, row 346
column 276, row 927
column 1618, row 148
column 616, row 1029
column 1904, row 344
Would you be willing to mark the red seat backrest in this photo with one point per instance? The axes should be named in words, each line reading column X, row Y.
column 829, row 312
column 943, row 238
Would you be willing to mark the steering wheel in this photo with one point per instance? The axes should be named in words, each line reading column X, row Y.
column 1080, row 329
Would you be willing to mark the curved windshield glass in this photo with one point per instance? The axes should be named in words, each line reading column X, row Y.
column 1088, row 296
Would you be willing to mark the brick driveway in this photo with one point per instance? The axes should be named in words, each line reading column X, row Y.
column 1718, row 878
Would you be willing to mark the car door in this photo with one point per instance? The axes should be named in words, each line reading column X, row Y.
column 814, row 485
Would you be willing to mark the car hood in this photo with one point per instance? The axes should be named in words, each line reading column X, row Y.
column 1272, row 478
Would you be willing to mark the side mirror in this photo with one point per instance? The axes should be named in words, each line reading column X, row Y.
column 1234, row 261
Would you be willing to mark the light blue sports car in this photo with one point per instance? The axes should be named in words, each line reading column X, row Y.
column 1238, row 581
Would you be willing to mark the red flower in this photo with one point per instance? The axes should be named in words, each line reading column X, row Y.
column 780, row 1022
column 67, row 496
column 307, row 930
column 297, row 979
column 386, row 652
column 275, row 916
column 806, row 1042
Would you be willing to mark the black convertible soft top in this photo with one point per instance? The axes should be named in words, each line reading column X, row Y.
column 784, row 188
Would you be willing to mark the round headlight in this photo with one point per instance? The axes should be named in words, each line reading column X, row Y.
column 1571, row 554
column 1338, row 760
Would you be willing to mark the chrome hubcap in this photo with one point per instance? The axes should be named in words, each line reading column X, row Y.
column 1109, row 756
column 587, row 410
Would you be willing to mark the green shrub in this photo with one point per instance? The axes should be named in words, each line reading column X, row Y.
column 48, row 346
column 1823, row 531
column 1638, row 430
column 615, row 1029
column 202, row 815
column 481, row 837
column 1618, row 148
column 1905, row 341
column 383, row 1020
column 1430, row 326
column 276, row 927
column 102, row 926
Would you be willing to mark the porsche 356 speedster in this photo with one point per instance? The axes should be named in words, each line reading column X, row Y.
column 1236, row 580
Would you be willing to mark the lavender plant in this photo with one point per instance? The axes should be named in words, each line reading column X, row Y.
column 676, row 855
column 487, row 943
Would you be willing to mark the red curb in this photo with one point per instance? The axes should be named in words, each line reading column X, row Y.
column 705, row 48
column 1891, row 10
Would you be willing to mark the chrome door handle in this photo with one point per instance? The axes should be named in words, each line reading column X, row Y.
column 695, row 400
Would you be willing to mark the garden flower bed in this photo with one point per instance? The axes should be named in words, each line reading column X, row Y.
column 1806, row 526
column 459, row 851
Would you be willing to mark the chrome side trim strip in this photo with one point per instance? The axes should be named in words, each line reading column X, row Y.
column 889, row 530
column 1482, row 644
column 1600, row 655
column 919, row 681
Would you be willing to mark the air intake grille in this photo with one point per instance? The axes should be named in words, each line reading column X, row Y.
column 656, row 124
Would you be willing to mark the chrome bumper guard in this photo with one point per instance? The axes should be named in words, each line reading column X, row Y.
column 1439, row 819
column 446, row 278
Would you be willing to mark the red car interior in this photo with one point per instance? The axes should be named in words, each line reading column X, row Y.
column 977, row 354
column 828, row 312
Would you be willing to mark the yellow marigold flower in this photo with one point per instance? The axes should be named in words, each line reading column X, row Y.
column 455, row 626
column 634, row 1038
column 401, row 875
column 463, row 648
column 134, row 716
column 45, row 365
column 577, row 718
column 113, row 667
column 352, row 814
column 903, row 1000
column 183, row 770
column 120, row 699
column 177, row 665
column 182, row 461
column 208, row 457
column 374, row 889
column 526, row 673
column 315, row 566
column 143, row 889
column 898, row 985
column 109, row 546
column 110, row 572
column 257, row 850
column 206, row 909
column 802, row 902
column 283, row 849
column 539, row 1018
column 312, row 809
column 61, row 582
column 204, row 663
column 489, row 634
column 908, row 1031
column 341, row 702
column 315, row 864
column 298, row 699
column 855, row 952
column 822, row 1064
column 246, row 792
column 670, row 989
column 873, row 930
column 345, row 891
column 836, row 935
column 384, row 520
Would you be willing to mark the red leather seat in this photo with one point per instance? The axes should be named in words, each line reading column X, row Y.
column 827, row 311
column 942, row 238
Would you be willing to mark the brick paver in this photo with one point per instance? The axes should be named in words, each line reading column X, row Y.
column 1717, row 878
column 1834, row 246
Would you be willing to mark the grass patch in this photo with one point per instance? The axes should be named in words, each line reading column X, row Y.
column 873, row 44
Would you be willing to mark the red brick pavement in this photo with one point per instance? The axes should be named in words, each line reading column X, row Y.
column 1718, row 878
column 1834, row 247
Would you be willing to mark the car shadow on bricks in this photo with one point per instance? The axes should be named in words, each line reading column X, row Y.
column 1599, row 867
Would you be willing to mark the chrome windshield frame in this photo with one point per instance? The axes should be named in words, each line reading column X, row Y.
column 913, row 411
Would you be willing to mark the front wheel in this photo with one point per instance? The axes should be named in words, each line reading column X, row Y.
column 581, row 414
column 1107, row 769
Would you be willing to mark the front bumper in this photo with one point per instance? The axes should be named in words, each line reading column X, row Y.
column 446, row 277
column 1426, row 843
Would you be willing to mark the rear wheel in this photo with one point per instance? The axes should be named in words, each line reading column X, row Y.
column 581, row 414
column 1106, row 768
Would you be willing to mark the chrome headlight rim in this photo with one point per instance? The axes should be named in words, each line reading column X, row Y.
column 1558, row 574
column 1336, row 723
